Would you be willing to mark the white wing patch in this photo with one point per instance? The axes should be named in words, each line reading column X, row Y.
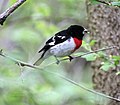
column 53, row 41
column 62, row 37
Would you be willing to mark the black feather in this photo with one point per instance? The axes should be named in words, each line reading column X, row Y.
column 44, row 49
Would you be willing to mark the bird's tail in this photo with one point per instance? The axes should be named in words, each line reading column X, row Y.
column 39, row 58
column 38, row 61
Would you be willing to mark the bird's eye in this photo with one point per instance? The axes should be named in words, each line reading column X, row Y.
column 85, row 31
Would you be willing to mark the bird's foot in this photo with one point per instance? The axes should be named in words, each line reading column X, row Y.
column 70, row 58
column 57, row 60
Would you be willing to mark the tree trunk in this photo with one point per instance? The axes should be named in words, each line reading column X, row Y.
column 104, row 24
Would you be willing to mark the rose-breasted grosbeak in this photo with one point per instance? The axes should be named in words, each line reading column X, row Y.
column 63, row 43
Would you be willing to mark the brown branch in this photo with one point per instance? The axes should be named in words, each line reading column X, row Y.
column 10, row 10
column 21, row 63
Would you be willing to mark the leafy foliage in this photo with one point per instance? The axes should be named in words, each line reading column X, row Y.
column 106, row 66
column 107, row 2
column 115, row 3
column 25, row 31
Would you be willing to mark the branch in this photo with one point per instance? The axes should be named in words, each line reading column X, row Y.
column 110, row 3
column 87, row 89
column 10, row 10
column 104, row 2
column 15, row 60
column 61, row 76
column 64, row 59
column 95, row 51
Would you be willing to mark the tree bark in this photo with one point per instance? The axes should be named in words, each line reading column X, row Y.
column 104, row 24
column 10, row 10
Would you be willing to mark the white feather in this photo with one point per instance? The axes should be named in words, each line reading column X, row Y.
column 63, row 49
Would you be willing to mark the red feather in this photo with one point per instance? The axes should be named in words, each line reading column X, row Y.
column 78, row 43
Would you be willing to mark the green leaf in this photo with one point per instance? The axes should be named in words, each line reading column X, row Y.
column 92, row 43
column 94, row 1
column 101, row 54
column 106, row 66
column 115, row 3
column 86, row 46
column 116, row 57
column 79, row 53
column 118, row 73
column 90, row 57
column 116, row 62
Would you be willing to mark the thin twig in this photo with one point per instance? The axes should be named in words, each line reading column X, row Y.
column 89, row 90
column 95, row 51
column 104, row 2
column 61, row 76
column 15, row 60
column 64, row 59
column 10, row 10
column 103, row 49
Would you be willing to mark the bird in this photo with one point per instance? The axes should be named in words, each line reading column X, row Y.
column 62, row 44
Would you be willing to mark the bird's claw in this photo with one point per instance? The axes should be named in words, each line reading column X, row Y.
column 71, row 58
column 57, row 62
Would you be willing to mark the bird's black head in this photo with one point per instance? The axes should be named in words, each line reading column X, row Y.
column 77, row 31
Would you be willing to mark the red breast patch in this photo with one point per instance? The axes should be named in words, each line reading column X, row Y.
column 77, row 43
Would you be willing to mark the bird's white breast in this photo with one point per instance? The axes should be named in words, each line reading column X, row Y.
column 63, row 49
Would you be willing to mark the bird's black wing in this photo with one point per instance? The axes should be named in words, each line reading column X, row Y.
column 56, row 39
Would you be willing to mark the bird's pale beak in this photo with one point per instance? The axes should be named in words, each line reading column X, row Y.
column 85, row 31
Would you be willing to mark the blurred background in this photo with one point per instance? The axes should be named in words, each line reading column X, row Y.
column 22, row 35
